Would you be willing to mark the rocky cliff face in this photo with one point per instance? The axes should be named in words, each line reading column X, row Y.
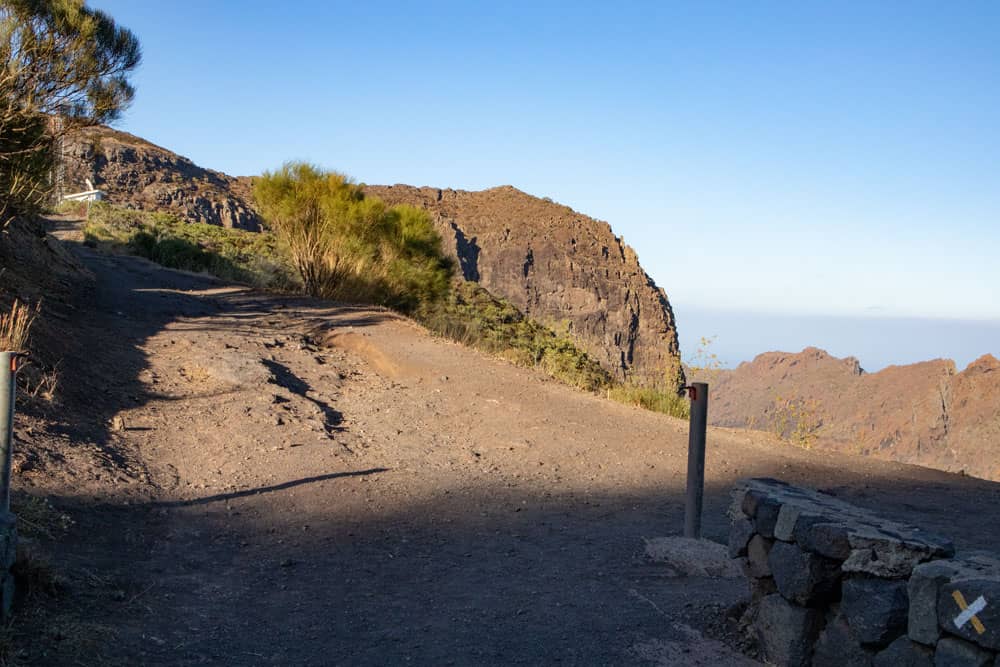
column 926, row 413
column 141, row 175
column 560, row 267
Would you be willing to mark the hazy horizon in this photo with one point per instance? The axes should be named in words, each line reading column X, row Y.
column 875, row 341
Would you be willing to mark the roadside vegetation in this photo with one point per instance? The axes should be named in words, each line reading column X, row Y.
column 473, row 316
column 258, row 259
column 329, row 240
column 657, row 399
column 351, row 247
column 15, row 326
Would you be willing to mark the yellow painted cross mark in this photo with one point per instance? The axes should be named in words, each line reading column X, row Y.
column 969, row 611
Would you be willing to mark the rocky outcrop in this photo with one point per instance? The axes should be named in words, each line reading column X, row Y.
column 560, row 267
column 926, row 413
column 138, row 174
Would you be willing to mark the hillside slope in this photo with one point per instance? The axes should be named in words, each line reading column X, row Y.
column 288, row 481
column 139, row 174
column 561, row 267
column 557, row 266
column 925, row 413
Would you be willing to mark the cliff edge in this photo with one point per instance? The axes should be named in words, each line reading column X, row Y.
column 560, row 267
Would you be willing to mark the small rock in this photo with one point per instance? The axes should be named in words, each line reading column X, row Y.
column 952, row 652
column 803, row 577
column 740, row 532
column 766, row 516
column 825, row 539
column 876, row 609
column 786, row 632
column 761, row 587
column 892, row 555
column 922, row 588
column 838, row 647
column 904, row 652
column 791, row 516
column 758, row 550
column 691, row 557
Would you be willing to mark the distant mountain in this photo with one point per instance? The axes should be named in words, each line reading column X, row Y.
column 927, row 413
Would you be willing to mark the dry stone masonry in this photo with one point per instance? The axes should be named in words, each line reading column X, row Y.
column 835, row 585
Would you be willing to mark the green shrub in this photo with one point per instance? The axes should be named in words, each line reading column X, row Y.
column 350, row 247
column 472, row 316
column 257, row 259
column 657, row 399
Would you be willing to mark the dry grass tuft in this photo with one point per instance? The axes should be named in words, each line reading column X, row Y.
column 15, row 326
column 37, row 517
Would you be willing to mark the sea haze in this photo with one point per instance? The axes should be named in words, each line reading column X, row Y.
column 876, row 342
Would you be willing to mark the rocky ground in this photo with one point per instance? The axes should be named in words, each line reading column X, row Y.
column 247, row 478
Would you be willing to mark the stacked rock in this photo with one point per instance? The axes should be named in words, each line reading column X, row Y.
column 833, row 584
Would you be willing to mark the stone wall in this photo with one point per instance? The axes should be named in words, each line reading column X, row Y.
column 832, row 584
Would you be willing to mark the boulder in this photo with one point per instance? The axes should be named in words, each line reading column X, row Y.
column 803, row 577
column 758, row 551
column 838, row 647
column 824, row 538
column 959, row 599
column 876, row 609
column 952, row 652
column 904, row 652
column 786, row 632
column 740, row 532
column 891, row 552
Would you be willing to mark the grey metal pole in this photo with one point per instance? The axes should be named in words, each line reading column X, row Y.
column 8, row 367
column 696, row 460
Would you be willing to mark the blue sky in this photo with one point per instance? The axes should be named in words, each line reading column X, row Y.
column 807, row 159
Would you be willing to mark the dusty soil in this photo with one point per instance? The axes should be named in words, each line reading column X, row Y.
column 261, row 479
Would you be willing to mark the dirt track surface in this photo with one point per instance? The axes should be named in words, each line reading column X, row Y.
column 290, row 482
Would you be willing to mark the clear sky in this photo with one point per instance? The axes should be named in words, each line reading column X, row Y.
column 805, row 158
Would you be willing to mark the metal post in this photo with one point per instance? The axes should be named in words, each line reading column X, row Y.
column 696, row 459
column 8, row 368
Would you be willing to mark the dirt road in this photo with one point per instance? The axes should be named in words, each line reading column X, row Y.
column 280, row 481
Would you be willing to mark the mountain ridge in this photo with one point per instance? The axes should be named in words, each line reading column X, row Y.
column 928, row 413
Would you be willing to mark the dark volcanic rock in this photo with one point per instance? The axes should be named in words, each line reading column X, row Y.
column 740, row 533
column 838, row 647
column 953, row 652
column 560, row 267
column 758, row 551
column 905, row 652
column 876, row 609
column 138, row 174
column 786, row 631
column 972, row 593
column 803, row 577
